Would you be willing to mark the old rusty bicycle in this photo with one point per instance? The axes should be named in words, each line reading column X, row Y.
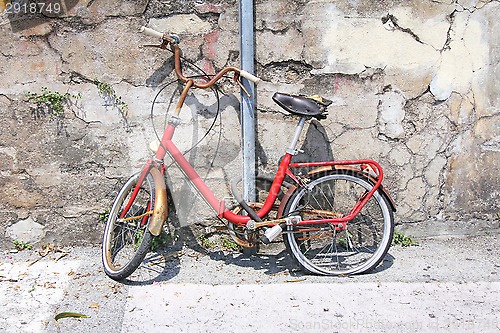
column 337, row 219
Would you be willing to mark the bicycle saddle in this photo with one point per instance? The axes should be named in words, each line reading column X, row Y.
column 309, row 106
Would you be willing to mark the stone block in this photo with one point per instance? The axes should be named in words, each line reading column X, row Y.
column 487, row 128
column 400, row 155
column 181, row 24
column 27, row 230
column 226, row 49
column 97, row 53
column 96, row 11
column 414, row 197
column 462, row 62
column 434, row 172
column 276, row 15
column 359, row 144
column 427, row 22
column 349, row 45
column 210, row 8
column 286, row 47
column 35, row 59
column 391, row 114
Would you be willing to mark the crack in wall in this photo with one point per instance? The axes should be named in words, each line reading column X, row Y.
column 389, row 18
column 451, row 20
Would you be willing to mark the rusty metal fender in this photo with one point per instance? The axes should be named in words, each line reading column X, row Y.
column 284, row 201
column 364, row 174
column 160, row 210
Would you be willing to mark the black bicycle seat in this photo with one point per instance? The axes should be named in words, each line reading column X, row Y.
column 309, row 106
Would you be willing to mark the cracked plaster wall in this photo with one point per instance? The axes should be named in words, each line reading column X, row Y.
column 414, row 85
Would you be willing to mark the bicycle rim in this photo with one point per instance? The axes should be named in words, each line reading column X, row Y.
column 323, row 249
column 127, row 239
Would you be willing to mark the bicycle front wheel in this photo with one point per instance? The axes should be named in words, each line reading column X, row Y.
column 127, row 238
column 324, row 249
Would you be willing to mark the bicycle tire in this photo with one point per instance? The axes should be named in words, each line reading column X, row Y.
column 323, row 250
column 126, row 243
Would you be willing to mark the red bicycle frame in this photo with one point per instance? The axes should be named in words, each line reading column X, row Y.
column 284, row 169
column 156, row 168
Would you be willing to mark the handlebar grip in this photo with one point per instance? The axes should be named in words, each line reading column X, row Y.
column 250, row 77
column 152, row 32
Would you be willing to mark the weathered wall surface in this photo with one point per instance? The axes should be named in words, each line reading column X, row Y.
column 415, row 86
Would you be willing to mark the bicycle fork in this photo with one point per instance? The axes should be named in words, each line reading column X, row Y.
column 160, row 210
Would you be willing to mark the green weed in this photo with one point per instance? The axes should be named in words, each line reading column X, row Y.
column 52, row 103
column 400, row 239
column 139, row 235
column 229, row 244
column 163, row 240
column 205, row 242
column 103, row 217
column 224, row 243
column 345, row 241
column 20, row 245
column 108, row 93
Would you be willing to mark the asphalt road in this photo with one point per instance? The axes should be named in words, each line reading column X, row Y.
column 441, row 285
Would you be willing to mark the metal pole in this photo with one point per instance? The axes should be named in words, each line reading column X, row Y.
column 247, row 106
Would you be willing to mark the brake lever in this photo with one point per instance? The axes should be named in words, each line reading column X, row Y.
column 163, row 45
column 151, row 45
column 237, row 79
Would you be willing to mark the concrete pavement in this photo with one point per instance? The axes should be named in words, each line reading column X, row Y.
column 441, row 285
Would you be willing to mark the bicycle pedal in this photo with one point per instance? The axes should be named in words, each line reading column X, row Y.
column 271, row 233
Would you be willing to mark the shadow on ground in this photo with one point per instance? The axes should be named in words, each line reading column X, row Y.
column 166, row 264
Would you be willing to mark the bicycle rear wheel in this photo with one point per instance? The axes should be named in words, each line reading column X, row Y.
column 127, row 238
column 322, row 249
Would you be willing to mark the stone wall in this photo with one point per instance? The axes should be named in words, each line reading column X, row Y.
column 414, row 85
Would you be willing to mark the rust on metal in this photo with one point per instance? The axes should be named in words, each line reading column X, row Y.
column 160, row 210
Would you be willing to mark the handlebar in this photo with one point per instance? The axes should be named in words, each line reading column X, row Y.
column 173, row 40
column 250, row 77
column 152, row 32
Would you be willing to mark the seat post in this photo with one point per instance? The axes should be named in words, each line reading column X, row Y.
column 298, row 130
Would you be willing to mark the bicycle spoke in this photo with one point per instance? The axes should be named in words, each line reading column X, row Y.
column 127, row 239
column 317, row 202
column 358, row 246
column 326, row 198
